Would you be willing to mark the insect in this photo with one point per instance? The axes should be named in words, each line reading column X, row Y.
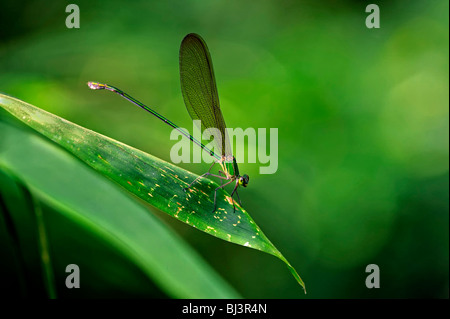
column 198, row 86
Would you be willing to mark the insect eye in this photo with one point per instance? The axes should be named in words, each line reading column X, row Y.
column 243, row 180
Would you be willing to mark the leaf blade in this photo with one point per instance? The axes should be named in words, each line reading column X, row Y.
column 157, row 182
column 99, row 206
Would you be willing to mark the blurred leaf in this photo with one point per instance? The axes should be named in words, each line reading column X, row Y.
column 24, row 241
column 153, row 180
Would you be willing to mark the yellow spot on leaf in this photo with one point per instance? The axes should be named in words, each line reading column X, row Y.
column 178, row 210
column 209, row 228
column 229, row 200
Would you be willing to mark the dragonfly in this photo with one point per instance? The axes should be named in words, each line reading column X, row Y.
column 200, row 95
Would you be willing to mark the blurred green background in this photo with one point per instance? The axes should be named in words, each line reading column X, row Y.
column 362, row 116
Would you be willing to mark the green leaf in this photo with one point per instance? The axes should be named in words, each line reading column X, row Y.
column 24, row 240
column 85, row 216
column 155, row 181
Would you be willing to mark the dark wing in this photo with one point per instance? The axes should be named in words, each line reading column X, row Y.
column 199, row 89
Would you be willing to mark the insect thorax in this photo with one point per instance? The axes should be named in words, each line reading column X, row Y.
column 229, row 166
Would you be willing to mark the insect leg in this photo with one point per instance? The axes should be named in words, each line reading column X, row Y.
column 235, row 191
column 206, row 174
column 215, row 193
